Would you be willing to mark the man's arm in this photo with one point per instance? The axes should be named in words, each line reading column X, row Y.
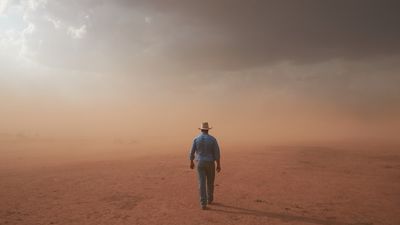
column 191, row 164
column 191, row 156
column 217, row 156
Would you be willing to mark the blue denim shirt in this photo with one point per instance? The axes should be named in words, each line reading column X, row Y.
column 204, row 148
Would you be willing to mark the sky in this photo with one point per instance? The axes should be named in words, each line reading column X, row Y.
column 151, row 71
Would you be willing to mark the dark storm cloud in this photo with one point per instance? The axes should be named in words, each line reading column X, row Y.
column 249, row 33
column 227, row 34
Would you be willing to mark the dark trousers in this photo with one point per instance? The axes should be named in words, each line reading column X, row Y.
column 206, row 176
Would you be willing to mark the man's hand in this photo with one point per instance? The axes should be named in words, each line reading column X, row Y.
column 218, row 166
column 191, row 164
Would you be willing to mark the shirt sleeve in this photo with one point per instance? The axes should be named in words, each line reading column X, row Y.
column 216, row 151
column 192, row 150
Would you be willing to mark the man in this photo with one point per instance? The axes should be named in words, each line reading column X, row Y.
column 205, row 151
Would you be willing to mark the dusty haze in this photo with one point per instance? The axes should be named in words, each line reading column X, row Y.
column 149, row 72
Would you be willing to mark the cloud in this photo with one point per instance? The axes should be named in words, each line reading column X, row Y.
column 35, row 4
column 25, row 51
column 56, row 22
column 29, row 29
column 14, row 43
column 3, row 6
column 77, row 32
column 246, row 34
column 18, row 30
column 224, row 35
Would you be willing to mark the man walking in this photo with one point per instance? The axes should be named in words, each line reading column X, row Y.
column 205, row 151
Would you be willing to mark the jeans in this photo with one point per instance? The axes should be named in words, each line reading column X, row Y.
column 206, row 176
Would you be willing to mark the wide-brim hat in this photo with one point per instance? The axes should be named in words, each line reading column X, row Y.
column 205, row 126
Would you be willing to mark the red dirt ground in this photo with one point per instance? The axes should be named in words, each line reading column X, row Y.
column 274, row 185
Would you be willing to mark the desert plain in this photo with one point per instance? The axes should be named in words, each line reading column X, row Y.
column 296, row 185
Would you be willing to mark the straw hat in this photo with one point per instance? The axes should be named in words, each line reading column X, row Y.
column 204, row 126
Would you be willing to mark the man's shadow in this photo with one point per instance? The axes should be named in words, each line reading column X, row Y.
column 219, row 207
